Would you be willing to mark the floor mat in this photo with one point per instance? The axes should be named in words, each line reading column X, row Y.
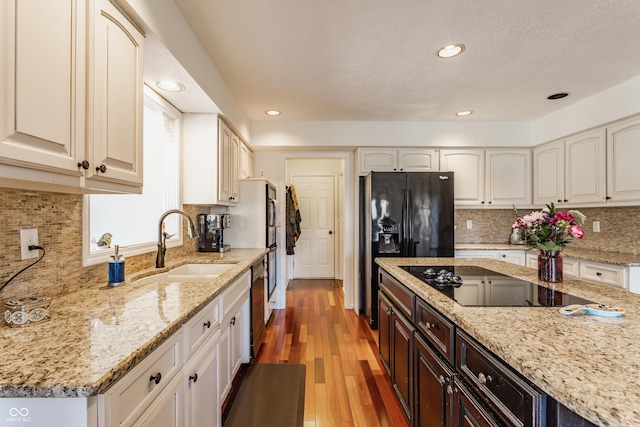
column 269, row 395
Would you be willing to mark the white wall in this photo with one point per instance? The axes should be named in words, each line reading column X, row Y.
column 278, row 133
column 166, row 21
column 612, row 104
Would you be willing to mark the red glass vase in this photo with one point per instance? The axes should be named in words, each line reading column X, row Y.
column 550, row 266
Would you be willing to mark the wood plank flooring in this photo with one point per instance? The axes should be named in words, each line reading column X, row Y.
column 346, row 385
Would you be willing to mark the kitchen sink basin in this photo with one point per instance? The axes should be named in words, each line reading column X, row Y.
column 189, row 273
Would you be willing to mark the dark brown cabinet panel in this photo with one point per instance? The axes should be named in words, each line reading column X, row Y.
column 433, row 405
column 436, row 329
column 384, row 331
column 466, row 410
column 401, row 375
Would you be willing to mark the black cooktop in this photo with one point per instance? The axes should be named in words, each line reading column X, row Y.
column 479, row 287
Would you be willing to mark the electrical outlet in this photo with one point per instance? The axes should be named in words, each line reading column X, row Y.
column 469, row 224
column 596, row 226
column 28, row 237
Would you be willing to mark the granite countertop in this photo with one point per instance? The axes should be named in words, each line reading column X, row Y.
column 96, row 335
column 590, row 364
column 606, row 257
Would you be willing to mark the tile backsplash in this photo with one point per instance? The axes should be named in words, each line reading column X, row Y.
column 58, row 218
column 618, row 230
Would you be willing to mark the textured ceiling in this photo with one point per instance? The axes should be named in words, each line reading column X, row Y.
column 375, row 60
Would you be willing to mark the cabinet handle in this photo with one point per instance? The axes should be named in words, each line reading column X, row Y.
column 608, row 198
column 451, row 390
column 484, row 379
column 432, row 325
column 84, row 164
column 102, row 168
column 598, row 274
column 156, row 378
column 504, row 255
column 565, row 200
column 233, row 320
column 559, row 201
column 442, row 380
column 207, row 324
column 193, row 378
column 489, row 201
column 482, row 202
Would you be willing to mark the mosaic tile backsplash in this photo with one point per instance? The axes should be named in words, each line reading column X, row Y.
column 58, row 218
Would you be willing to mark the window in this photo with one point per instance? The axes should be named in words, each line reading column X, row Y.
column 132, row 220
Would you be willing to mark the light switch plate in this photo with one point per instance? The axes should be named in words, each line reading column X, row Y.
column 596, row 226
column 469, row 224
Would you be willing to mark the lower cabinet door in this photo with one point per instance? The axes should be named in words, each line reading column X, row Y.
column 166, row 410
column 467, row 411
column 201, row 388
column 384, row 331
column 431, row 375
column 401, row 356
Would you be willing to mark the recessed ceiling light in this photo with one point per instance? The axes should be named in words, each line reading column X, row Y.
column 558, row 95
column 272, row 113
column 451, row 50
column 464, row 113
column 170, row 86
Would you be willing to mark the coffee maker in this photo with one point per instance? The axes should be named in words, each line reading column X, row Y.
column 211, row 227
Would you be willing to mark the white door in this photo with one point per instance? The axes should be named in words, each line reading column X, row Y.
column 314, row 251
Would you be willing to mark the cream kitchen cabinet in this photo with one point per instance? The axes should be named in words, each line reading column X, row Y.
column 246, row 162
column 515, row 256
column 233, row 345
column 200, row 379
column 401, row 160
column 570, row 266
column 211, row 153
column 571, row 171
column 72, row 111
column 489, row 178
column 623, row 152
column 548, row 169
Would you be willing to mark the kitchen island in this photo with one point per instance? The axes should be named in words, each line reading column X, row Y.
column 97, row 335
column 587, row 363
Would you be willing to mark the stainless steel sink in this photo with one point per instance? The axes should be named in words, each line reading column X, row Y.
column 189, row 273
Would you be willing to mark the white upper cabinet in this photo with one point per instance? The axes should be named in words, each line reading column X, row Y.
column 72, row 72
column 468, row 167
column 508, row 177
column 211, row 163
column 115, row 97
column 489, row 178
column 585, row 165
column 548, row 167
column 400, row 160
column 623, row 152
column 246, row 162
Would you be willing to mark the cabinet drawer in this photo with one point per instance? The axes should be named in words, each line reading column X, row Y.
column 605, row 274
column 132, row 394
column 399, row 294
column 235, row 293
column 436, row 329
column 515, row 401
column 570, row 267
column 201, row 327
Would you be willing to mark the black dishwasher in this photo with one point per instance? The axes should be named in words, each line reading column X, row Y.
column 257, row 306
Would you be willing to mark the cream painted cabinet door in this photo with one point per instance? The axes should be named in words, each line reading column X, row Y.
column 246, row 162
column 228, row 162
column 115, row 96
column 468, row 167
column 201, row 388
column 508, row 177
column 315, row 249
column 623, row 152
column 377, row 159
column 43, row 86
column 548, row 174
column 585, row 165
column 418, row 160
column 166, row 410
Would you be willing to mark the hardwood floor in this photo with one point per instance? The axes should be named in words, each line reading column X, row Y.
column 346, row 385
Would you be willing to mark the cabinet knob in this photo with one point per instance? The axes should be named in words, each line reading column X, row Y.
column 233, row 320
column 207, row 324
column 484, row 379
column 442, row 380
column 451, row 390
column 598, row 274
column 102, row 168
column 482, row 202
column 156, row 378
column 330, row 232
column 193, row 378
column 83, row 164
column 565, row 200
column 608, row 198
column 489, row 201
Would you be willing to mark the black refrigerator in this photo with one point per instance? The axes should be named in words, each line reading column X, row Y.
column 403, row 214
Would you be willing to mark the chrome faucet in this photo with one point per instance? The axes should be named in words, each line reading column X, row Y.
column 162, row 247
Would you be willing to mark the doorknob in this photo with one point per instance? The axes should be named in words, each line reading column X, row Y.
column 330, row 232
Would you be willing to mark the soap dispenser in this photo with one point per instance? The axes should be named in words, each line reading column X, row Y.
column 116, row 268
